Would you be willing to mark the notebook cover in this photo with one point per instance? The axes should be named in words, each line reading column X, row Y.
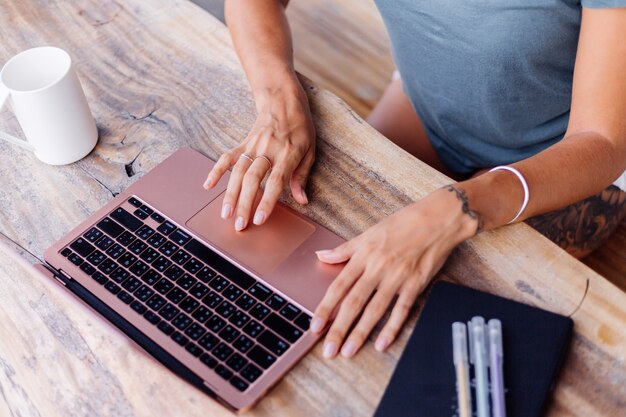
column 534, row 340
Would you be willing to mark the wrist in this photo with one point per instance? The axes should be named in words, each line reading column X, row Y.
column 280, row 85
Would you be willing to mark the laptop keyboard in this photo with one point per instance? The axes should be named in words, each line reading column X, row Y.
column 221, row 315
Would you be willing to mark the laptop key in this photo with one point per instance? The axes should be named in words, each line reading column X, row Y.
column 126, row 219
column 186, row 281
column 189, row 304
column 104, row 242
column 182, row 321
column 161, row 264
column 273, row 343
column 147, row 209
column 205, row 274
column 157, row 217
column 224, row 372
column 209, row 341
column 260, row 292
column 137, row 247
column 138, row 307
column 243, row 343
column 166, row 228
column 239, row 383
column 169, row 312
column 125, row 238
column 195, row 331
column 168, row 248
column 119, row 275
column 139, row 268
column 180, row 338
column 127, row 259
column 173, row 272
column 134, row 202
column 87, row 269
column 303, row 321
column 181, row 257
column 151, row 277
column 93, row 234
column 245, row 302
column 229, row 333
column 219, row 283
column 222, row 351
column 236, row 362
column 251, row 373
column 141, row 214
column 232, row 292
column 149, row 255
column 99, row 277
column 165, row 328
column 145, row 232
column 82, row 247
column 253, row 329
column 115, row 251
column 239, row 319
column 107, row 266
column 215, row 324
column 144, row 293
column 112, row 287
column 176, row 295
column 151, row 317
column 156, row 302
column 164, row 286
column 275, row 302
column 179, row 237
column 193, row 266
column 194, row 349
column 202, row 314
column 208, row 360
column 156, row 240
column 212, row 300
column 261, row 357
column 225, row 309
column 282, row 327
column 290, row 311
column 125, row 297
column 131, row 284
column 199, row 290
column 259, row 311
column 109, row 227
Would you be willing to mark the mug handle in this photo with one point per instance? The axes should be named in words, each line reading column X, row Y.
column 4, row 96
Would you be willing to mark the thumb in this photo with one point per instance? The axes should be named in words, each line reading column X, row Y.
column 341, row 253
column 300, row 176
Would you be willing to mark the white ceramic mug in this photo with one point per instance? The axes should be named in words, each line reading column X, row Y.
column 46, row 96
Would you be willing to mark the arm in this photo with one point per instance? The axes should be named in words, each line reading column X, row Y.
column 399, row 255
column 283, row 131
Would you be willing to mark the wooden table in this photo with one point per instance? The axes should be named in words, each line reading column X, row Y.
column 160, row 75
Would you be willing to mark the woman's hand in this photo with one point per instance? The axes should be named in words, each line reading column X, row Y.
column 397, row 256
column 284, row 134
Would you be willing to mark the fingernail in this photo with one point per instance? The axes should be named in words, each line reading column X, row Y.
column 208, row 182
column 381, row 344
column 317, row 324
column 239, row 224
column 259, row 217
column 324, row 252
column 306, row 200
column 328, row 255
column 330, row 350
column 226, row 211
column 348, row 349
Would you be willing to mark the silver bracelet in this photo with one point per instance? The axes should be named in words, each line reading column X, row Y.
column 524, row 185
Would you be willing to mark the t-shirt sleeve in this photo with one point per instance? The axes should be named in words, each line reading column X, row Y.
column 603, row 4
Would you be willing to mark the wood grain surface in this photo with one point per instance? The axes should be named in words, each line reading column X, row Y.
column 161, row 74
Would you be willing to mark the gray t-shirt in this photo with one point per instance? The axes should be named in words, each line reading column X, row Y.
column 490, row 79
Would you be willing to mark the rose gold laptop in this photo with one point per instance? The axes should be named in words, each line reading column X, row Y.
column 227, row 311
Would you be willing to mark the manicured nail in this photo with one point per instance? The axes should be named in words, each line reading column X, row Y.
column 330, row 350
column 329, row 255
column 208, row 182
column 259, row 217
column 226, row 211
column 381, row 344
column 239, row 224
column 304, row 197
column 317, row 324
column 348, row 349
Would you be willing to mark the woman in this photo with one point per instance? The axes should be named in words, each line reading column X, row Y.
column 535, row 87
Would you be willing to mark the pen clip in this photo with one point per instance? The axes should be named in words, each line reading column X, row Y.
column 459, row 342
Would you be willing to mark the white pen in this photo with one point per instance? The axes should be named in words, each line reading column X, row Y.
column 459, row 354
column 496, row 356
column 478, row 357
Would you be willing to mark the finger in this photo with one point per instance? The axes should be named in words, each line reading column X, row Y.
column 335, row 292
column 234, row 186
column 340, row 254
column 300, row 176
column 399, row 314
column 273, row 188
column 249, row 189
column 351, row 307
column 223, row 164
column 372, row 315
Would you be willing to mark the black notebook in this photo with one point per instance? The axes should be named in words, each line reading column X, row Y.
column 424, row 383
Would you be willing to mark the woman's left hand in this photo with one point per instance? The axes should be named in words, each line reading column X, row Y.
column 397, row 256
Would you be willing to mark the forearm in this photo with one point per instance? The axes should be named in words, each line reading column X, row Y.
column 262, row 39
column 575, row 168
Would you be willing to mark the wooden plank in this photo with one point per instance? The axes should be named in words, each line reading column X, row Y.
column 159, row 75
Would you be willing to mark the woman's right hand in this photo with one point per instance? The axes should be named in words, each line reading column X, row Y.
column 284, row 134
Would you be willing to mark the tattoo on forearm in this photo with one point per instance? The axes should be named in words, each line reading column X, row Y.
column 462, row 196
column 584, row 226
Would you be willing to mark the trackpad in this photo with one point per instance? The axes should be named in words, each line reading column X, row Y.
column 261, row 248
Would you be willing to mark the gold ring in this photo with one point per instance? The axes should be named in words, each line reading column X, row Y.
column 248, row 157
column 267, row 159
